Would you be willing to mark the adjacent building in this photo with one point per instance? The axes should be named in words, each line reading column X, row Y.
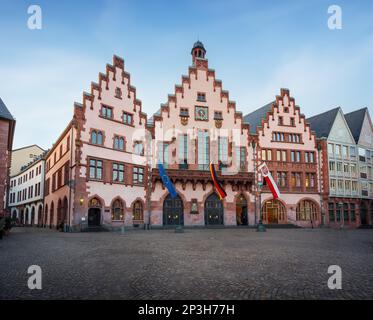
column 284, row 140
column 26, row 193
column 96, row 172
column 341, row 171
column 23, row 156
column 360, row 124
column 7, row 127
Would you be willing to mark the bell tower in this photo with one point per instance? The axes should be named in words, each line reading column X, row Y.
column 198, row 51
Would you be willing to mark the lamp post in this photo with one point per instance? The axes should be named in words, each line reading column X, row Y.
column 255, row 186
column 261, row 226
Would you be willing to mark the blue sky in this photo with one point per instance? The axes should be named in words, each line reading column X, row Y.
column 256, row 47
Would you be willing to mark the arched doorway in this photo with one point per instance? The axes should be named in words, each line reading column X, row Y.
column 14, row 215
column 173, row 211
column 273, row 211
column 64, row 209
column 306, row 211
column 94, row 213
column 51, row 215
column 59, row 213
column 26, row 217
column 363, row 213
column 138, row 213
column 46, row 215
column 214, row 211
column 22, row 217
column 40, row 212
column 241, row 211
column 32, row 222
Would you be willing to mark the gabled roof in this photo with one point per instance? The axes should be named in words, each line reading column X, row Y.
column 254, row 119
column 355, row 121
column 4, row 112
column 323, row 122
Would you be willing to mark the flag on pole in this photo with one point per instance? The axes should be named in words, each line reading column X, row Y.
column 221, row 192
column 166, row 181
column 269, row 179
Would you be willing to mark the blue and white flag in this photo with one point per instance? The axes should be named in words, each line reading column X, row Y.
column 166, row 181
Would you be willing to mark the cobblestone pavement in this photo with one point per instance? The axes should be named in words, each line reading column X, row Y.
column 197, row 264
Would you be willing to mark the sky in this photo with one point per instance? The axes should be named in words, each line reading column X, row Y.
column 256, row 48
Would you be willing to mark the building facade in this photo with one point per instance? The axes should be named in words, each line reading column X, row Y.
column 26, row 193
column 341, row 180
column 360, row 124
column 7, row 127
column 199, row 124
column 102, row 170
column 23, row 156
column 96, row 172
column 284, row 140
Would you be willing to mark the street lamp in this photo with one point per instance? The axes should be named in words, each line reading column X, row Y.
column 255, row 199
column 261, row 226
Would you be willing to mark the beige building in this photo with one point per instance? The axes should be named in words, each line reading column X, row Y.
column 23, row 156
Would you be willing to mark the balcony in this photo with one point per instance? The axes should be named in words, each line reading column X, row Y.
column 244, row 179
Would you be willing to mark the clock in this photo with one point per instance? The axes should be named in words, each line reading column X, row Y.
column 202, row 113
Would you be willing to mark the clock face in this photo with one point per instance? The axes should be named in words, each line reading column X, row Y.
column 202, row 113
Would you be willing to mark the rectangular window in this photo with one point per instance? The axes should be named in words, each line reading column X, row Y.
column 331, row 212
column 310, row 180
column 345, row 151
column 296, row 179
column 118, row 172
column 68, row 143
column 138, row 175
column 203, row 150
column 338, row 151
column 66, row 172
column 292, row 122
column 127, row 118
column 295, row 156
column 330, row 149
column 346, row 168
column 352, row 152
column 106, row 112
column 281, row 179
column 280, row 121
column 95, row 169
column 201, row 97
column 183, row 149
column 223, row 149
column 163, row 149
column 139, row 148
column 331, row 166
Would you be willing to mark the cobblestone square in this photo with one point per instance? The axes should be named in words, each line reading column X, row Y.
column 196, row 264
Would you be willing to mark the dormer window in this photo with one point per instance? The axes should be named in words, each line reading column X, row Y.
column 201, row 97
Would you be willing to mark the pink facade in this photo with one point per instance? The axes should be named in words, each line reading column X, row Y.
column 102, row 171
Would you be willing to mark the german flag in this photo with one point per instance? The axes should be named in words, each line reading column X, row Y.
column 221, row 192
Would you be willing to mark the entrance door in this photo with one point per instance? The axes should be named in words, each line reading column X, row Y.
column 363, row 214
column 214, row 211
column 173, row 211
column 272, row 215
column 94, row 217
column 241, row 211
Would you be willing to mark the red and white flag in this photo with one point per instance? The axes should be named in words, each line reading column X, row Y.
column 269, row 179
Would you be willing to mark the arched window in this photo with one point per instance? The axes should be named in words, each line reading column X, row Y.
column 117, row 210
column 121, row 144
column 94, row 137
column 306, row 210
column 138, row 213
column 99, row 137
column 116, row 143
